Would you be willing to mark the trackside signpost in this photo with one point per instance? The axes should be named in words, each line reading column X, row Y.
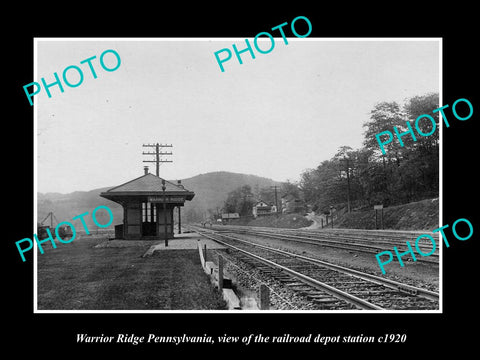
column 376, row 208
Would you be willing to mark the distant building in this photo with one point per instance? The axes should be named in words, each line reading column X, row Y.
column 261, row 208
column 292, row 204
column 227, row 216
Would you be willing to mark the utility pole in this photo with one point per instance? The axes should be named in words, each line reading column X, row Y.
column 348, row 183
column 165, row 212
column 157, row 154
column 276, row 201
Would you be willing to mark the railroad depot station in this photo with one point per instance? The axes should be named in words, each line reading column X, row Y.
column 148, row 207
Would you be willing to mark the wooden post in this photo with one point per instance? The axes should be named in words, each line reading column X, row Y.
column 322, row 222
column 205, row 252
column 164, row 208
column 220, row 272
column 376, row 208
column 202, row 260
column 331, row 215
column 179, row 221
column 264, row 297
column 382, row 218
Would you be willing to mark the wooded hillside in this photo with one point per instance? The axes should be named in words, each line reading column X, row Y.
column 366, row 177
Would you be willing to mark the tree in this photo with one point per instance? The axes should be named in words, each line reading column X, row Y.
column 420, row 105
column 240, row 201
column 266, row 194
column 384, row 117
column 289, row 188
column 367, row 176
column 324, row 184
column 421, row 172
column 409, row 172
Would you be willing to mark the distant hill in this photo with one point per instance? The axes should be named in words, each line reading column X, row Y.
column 67, row 206
column 210, row 189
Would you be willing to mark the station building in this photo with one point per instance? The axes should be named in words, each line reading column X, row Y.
column 148, row 207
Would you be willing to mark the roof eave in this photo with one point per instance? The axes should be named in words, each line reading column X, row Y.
column 109, row 195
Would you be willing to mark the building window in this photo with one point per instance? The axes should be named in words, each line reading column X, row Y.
column 149, row 212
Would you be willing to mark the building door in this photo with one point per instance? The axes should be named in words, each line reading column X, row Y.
column 149, row 219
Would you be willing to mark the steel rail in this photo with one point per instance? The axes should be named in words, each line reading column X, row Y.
column 413, row 290
column 339, row 294
column 377, row 236
column 329, row 243
column 361, row 237
column 349, row 235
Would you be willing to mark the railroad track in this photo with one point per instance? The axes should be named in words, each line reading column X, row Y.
column 351, row 240
column 326, row 285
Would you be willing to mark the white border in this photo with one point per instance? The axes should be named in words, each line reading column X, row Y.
column 35, row 144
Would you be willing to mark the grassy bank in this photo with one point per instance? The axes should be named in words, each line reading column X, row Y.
column 420, row 215
column 80, row 276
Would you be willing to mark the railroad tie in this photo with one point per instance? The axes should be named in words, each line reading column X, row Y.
column 304, row 290
column 371, row 292
column 296, row 283
column 351, row 285
column 283, row 278
column 322, row 299
column 326, row 301
column 269, row 271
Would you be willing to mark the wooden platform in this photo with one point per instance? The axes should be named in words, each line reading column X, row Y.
column 188, row 241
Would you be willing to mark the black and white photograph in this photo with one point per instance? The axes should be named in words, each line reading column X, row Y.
column 268, row 175
column 241, row 182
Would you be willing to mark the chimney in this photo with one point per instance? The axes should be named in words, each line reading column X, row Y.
column 145, row 169
column 179, row 184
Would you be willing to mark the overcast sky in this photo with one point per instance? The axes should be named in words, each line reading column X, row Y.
column 274, row 116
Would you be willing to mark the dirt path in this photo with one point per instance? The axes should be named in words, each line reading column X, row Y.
column 317, row 220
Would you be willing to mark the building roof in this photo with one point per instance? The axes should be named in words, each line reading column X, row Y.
column 147, row 184
column 261, row 201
